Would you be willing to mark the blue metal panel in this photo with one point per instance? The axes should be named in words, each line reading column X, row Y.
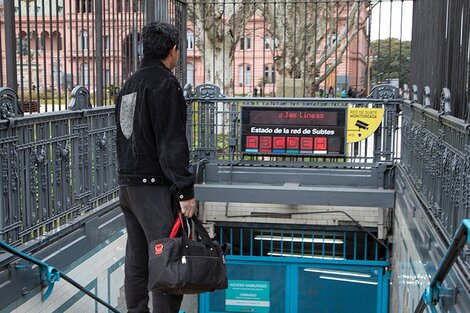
column 329, row 289
column 275, row 274
column 302, row 277
column 379, row 295
column 299, row 285
column 386, row 291
column 292, row 282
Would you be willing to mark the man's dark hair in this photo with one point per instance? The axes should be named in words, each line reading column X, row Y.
column 158, row 38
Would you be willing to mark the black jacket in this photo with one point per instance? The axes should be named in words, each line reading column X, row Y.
column 151, row 130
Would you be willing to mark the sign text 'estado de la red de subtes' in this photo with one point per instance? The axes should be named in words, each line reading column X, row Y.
column 299, row 130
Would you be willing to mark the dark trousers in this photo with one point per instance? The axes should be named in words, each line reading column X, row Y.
column 149, row 215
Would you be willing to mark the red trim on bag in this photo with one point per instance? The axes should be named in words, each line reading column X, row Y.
column 176, row 227
column 158, row 248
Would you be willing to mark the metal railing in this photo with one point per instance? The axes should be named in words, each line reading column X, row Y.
column 214, row 127
column 435, row 293
column 50, row 275
column 308, row 244
column 55, row 166
column 436, row 155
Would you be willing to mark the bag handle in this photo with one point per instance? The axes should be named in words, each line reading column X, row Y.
column 202, row 232
column 176, row 227
column 205, row 238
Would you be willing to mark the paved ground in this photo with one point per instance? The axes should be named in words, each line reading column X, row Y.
column 189, row 303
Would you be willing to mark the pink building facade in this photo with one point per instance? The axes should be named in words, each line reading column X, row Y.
column 57, row 45
column 57, row 49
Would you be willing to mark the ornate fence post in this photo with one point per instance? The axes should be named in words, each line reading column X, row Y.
column 383, row 147
column 414, row 97
column 9, row 104
column 80, row 99
column 206, row 130
column 188, row 95
column 10, row 216
column 445, row 107
column 81, row 150
column 406, row 92
column 427, row 97
column 103, row 157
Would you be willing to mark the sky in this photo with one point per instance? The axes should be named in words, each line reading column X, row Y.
column 382, row 14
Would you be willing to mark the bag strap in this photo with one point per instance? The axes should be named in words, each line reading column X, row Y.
column 176, row 227
column 202, row 232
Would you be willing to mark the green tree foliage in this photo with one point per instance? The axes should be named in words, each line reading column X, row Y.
column 390, row 60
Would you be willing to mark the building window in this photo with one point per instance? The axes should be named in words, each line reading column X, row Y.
column 245, row 74
column 332, row 39
column 190, row 74
column 84, row 74
column 22, row 44
column 190, row 40
column 107, row 77
column 245, row 43
column 34, row 41
column 56, row 41
column 44, row 41
column 269, row 74
column 106, row 43
column 84, row 6
column 269, row 43
column 84, row 40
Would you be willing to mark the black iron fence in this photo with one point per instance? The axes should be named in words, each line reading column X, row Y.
column 215, row 129
column 441, row 51
column 50, row 46
column 55, row 166
column 436, row 155
column 59, row 165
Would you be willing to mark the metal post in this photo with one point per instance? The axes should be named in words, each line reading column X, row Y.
column 135, row 43
column 10, row 41
column 161, row 11
column 149, row 11
column 181, row 25
column 99, row 51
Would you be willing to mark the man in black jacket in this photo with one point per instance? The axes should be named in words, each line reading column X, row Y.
column 153, row 161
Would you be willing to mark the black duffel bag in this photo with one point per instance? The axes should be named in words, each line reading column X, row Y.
column 184, row 266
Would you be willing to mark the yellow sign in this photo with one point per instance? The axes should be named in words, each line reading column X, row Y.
column 363, row 122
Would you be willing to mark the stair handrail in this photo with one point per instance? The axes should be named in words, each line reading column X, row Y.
column 50, row 275
column 432, row 295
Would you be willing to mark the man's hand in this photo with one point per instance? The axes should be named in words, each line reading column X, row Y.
column 188, row 207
